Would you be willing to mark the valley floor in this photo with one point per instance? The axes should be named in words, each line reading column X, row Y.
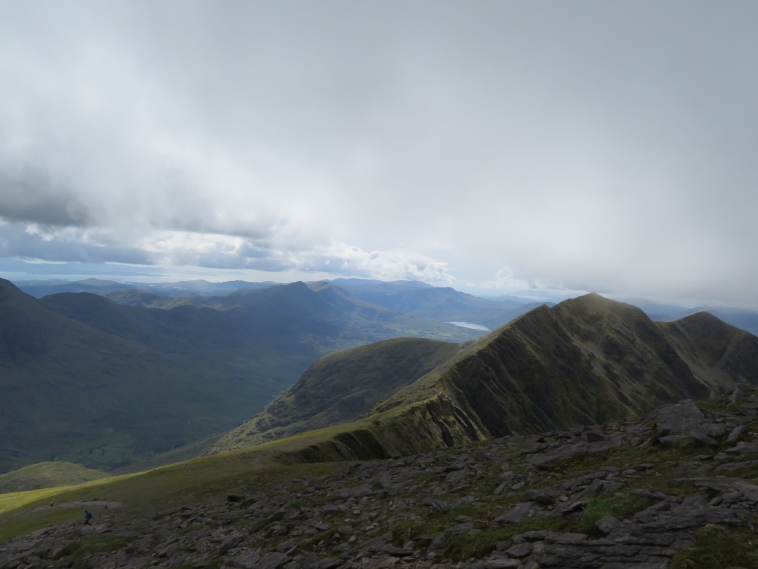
column 679, row 490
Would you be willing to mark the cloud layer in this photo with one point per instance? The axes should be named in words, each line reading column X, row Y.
column 594, row 145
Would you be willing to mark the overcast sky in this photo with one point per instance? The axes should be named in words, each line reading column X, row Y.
column 607, row 146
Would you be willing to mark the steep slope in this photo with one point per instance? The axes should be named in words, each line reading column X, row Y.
column 341, row 387
column 584, row 361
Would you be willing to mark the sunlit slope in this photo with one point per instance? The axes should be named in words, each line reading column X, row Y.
column 141, row 495
column 341, row 387
column 47, row 475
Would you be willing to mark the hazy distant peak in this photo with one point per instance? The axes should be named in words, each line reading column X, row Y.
column 98, row 282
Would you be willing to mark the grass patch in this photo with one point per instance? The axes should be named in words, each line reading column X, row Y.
column 718, row 548
column 147, row 492
column 463, row 545
column 100, row 543
column 405, row 530
column 618, row 506
column 34, row 520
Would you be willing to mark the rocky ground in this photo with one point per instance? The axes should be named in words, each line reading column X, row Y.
column 677, row 490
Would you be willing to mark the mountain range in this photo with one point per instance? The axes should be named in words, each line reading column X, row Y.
column 91, row 381
column 107, row 384
column 442, row 304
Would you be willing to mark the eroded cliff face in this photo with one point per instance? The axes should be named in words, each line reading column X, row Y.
column 434, row 423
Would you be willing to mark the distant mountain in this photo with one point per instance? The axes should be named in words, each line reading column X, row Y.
column 42, row 288
column 38, row 289
column 443, row 304
column 87, row 380
column 343, row 386
column 184, row 288
column 104, row 392
column 585, row 361
column 739, row 317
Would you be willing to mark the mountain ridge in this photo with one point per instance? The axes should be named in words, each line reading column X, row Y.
column 583, row 361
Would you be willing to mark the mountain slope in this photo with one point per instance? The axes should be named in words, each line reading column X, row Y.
column 87, row 380
column 715, row 349
column 584, row 361
column 71, row 391
column 341, row 387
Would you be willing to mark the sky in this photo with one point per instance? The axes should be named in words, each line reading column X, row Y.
column 490, row 146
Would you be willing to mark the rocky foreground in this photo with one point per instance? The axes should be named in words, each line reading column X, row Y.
column 677, row 490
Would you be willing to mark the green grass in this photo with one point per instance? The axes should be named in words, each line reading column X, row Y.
column 46, row 475
column 621, row 507
column 719, row 548
column 462, row 546
column 11, row 526
column 88, row 545
column 145, row 493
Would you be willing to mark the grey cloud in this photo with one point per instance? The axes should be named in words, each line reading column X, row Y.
column 605, row 146
column 16, row 242
column 29, row 195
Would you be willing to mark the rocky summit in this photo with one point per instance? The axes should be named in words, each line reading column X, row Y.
column 678, row 489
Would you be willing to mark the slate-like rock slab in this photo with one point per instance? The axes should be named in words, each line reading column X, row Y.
column 516, row 514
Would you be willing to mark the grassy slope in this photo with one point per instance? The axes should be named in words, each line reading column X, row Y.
column 47, row 475
column 340, row 387
column 145, row 493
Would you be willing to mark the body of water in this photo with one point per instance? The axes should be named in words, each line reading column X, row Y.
column 469, row 325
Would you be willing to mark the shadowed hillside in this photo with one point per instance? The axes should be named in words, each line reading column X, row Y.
column 341, row 387
column 88, row 380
